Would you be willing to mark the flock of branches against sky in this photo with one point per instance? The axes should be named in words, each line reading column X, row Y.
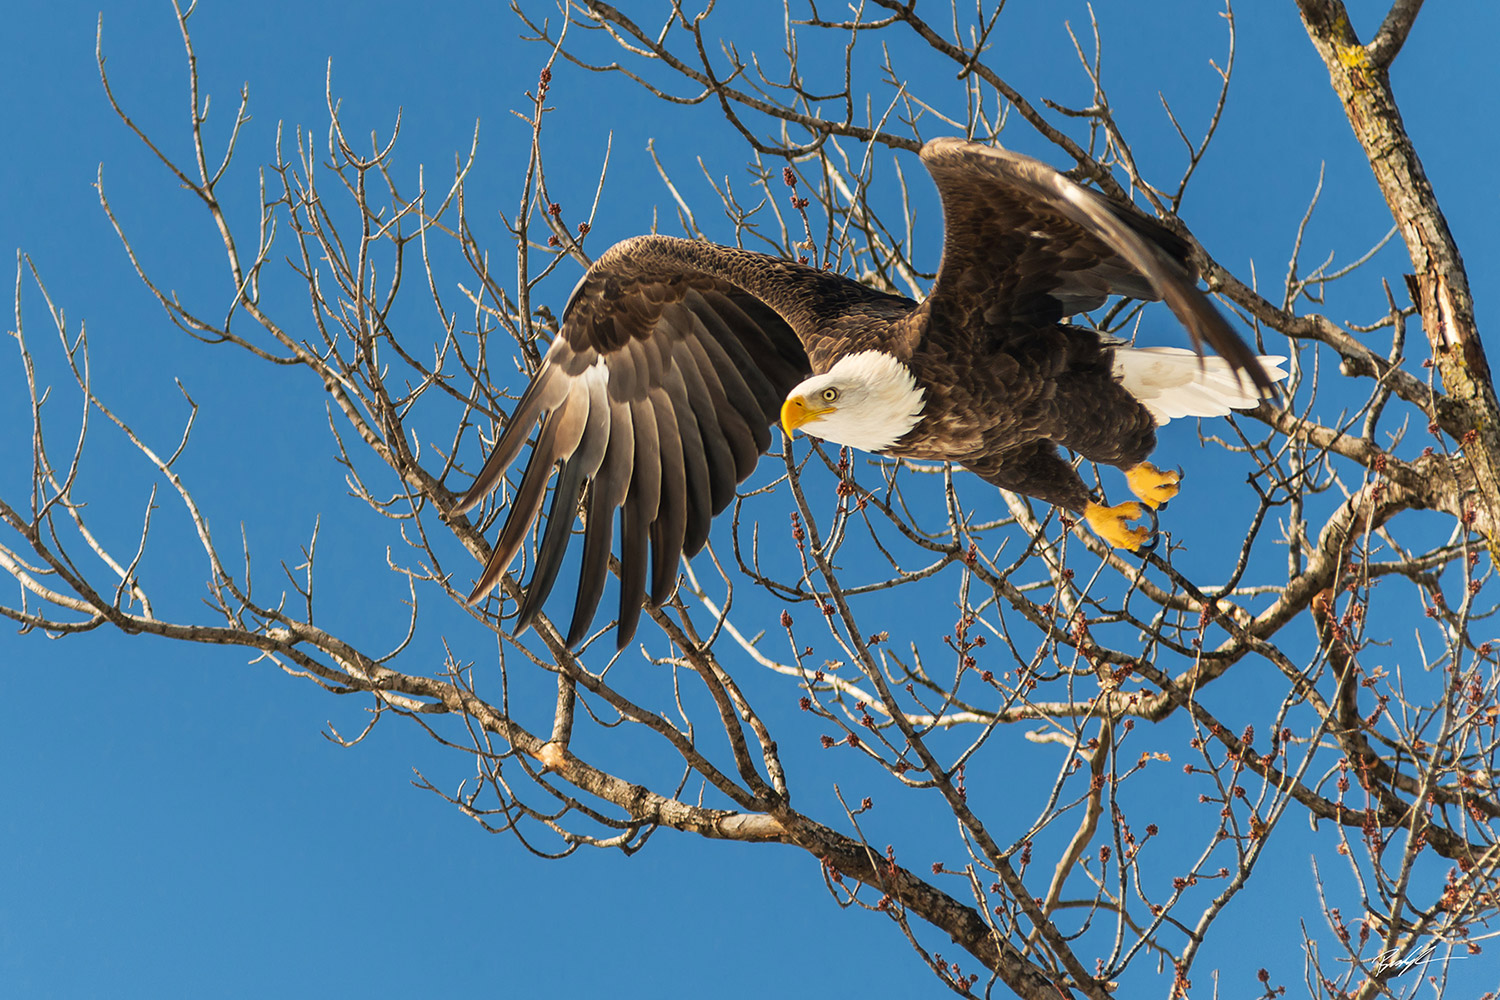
column 175, row 819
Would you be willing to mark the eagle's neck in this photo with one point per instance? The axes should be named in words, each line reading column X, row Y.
column 890, row 402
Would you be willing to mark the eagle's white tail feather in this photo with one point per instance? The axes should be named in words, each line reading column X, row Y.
column 1173, row 382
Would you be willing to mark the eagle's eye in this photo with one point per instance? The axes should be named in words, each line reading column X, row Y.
column 830, row 394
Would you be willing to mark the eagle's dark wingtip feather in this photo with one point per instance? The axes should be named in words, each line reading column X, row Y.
column 590, row 583
column 486, row 481
column 578, row 628
column 1232, row 348
column 549, row 556
column 633, row 538
column 625, row 630
column 489, row 579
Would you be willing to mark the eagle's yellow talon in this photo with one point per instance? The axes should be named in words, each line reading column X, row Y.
column 1109, row 523
column 1152, row 485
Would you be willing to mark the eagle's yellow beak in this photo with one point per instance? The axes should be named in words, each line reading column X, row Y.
column 795, row 412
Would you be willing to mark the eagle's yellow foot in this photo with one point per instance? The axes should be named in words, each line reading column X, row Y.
column 1152, row 485
column 1109, row 523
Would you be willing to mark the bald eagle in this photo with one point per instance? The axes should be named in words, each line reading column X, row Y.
column 676, row 356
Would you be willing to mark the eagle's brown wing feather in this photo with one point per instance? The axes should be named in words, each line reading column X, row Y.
column 658, row 394
column 1024, row 246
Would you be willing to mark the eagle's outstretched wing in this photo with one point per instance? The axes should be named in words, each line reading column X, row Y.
column 660, row 390
column 1024, row 246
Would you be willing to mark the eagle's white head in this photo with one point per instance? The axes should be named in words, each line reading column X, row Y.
column 866, row 400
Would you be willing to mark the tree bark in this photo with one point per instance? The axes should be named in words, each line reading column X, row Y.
column 1360, row 76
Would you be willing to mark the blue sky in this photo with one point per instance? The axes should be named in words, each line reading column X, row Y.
column 174, row 820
